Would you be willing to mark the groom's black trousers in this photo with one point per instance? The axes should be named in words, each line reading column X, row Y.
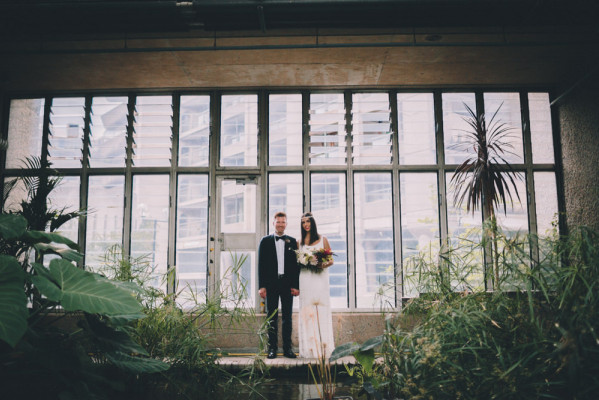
column 282, row 290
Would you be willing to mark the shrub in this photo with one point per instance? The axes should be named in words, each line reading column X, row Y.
column 538, row 340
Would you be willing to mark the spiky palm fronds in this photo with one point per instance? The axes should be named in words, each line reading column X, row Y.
column 39, row 179
column 485, row 176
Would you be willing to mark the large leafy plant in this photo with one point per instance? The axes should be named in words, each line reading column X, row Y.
column 60, row 326
column 485, row 176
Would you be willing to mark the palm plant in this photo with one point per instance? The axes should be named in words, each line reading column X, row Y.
column 38, row 180
column 486, row 176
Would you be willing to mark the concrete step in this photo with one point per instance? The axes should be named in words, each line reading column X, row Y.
column 236, row 360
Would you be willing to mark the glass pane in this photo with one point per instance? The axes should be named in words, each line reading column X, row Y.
column 329, row 210
column 285, row 129
column 25, row 126
column 419, row 224
column 547, row 213
column 149, row 224
column 194, row 131
column 239, row 130
column 327, row 129
column 375, row 260
column 105, row 218
column 285, row 193
column 108, row 132
column 540, row 128
column 237, row 287
column 515, row 221
column 17, row 194
column 238, row 211
column 66, row 132
column 546, row 201
column 454, row 113
column 65, row 197
column 510, row 115
column 192, row 235
column 465, row 232
column 152, row 131
column 371, row 133
column 514, row 225
column 416, row 128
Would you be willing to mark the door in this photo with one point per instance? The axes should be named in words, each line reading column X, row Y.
column 238, row 227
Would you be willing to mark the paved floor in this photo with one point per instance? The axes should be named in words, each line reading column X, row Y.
column 239, row 360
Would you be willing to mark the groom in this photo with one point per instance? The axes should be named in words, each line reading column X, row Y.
column 278, row 278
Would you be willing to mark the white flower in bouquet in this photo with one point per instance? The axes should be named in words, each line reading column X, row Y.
column 306, row 258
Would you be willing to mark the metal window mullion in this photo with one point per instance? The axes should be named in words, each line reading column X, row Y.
column 306, row 149
column 263, row 160
column 84, row 178
column 128, row 178
column 487, row 252
column 173, row 184
column 46, row 128
column 398, row 275
column 214, row 143
column 441, row 175
column 558, row 169
column 530, row 188
column 349, row 190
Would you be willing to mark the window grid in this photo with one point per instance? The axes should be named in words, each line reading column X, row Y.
column 336, row 158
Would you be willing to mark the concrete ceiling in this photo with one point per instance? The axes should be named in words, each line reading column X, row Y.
column 526, row 52
column 135, row 16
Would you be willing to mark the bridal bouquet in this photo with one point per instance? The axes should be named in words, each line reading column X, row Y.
column 312, row 259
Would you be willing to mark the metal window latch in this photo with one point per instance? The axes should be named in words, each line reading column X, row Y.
column 221, row 240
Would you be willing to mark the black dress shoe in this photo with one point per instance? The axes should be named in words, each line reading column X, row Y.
column 289, row 354
column 271, row 354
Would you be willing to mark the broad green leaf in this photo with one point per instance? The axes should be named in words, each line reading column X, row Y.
column 112, row 339
column 12, row 226
column 47, row 287
column 51, row 237
column 366, row 359
column 128, row 286
column 13, row 302
column 136, row 365
column 124, row 319
column 344, row 350
column 41, row 269
column 67, row 254
column 372, row 343
column 81, row 290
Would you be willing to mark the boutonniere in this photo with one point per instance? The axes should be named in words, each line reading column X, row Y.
column 287, row 241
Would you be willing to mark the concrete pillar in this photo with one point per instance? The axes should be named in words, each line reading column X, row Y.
column 579, row 125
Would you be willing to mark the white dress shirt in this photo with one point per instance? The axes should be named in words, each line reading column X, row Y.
column 280, row 246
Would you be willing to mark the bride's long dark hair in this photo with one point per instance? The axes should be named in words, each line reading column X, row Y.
column 313, row 230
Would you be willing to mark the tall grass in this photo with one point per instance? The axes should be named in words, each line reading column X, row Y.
column 183, row 336
column 537, row 338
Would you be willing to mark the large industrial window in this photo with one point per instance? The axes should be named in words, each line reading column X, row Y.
column 375, row 168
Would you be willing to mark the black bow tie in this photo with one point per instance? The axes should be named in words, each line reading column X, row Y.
column 279, row 237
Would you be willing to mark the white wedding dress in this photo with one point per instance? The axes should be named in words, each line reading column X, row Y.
column 315, row 331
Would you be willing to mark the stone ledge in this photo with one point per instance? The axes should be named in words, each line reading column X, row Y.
column 347, row 327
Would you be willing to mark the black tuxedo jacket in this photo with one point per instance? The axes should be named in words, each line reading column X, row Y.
column 268, row 265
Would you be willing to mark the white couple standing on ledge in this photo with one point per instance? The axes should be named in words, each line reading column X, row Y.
column 279, row 277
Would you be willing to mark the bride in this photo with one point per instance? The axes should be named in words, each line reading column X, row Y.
column 315, row 319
